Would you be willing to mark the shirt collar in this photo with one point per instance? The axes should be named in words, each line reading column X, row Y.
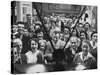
column 86, row 57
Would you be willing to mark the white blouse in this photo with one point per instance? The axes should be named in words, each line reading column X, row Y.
column 31, row 57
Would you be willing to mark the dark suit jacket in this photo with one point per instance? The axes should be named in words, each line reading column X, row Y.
column 69, row 55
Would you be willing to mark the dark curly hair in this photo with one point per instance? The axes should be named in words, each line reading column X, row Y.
column 33, row 39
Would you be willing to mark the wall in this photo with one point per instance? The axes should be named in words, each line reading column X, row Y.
column 48, row 8
column 23, row 8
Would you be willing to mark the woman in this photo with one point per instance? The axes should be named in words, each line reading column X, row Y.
column 84, row 58
column 93, row 43
column 75, row 33
column 34, row 56
column 55, row 53
column 83, row 35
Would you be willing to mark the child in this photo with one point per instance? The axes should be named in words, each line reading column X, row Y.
column 34, row 56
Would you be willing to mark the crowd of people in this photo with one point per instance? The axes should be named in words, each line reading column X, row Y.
column 57, row 41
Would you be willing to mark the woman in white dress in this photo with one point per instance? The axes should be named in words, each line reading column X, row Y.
column 34, row 56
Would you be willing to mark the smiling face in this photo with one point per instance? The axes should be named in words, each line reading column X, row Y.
column 34, row 45
column 74, row 42
column 55, row 36
column 74, row 32
column 80, row 27
column 42, row 46
column 94, row 37
column 85, row 48
column 40, row 35
column 82, row 36
column 86, row 26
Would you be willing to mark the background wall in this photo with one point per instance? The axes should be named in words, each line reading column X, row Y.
column 49, row 8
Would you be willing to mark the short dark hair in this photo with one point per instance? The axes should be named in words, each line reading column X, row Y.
column 33, row 39
column 93, row 33
column 77, row 33
column 38, row 31
column 84, row 33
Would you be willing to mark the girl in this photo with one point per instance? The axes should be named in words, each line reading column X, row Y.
column 34, row 56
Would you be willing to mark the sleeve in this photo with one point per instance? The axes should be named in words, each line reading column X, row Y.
column 93, row 64
column 23, row 58
column 40, row 58
column 26, row 56
column 68, row 55
column 49, row 48
column 75, row 60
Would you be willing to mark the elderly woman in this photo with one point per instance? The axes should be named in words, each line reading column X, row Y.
column 58, row 44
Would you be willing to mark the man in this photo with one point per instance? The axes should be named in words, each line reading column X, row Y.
column 72, row 49
column 21, row 27
column 25, row 39
column 80, row 27
column 29, row 22
column 23, row 35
